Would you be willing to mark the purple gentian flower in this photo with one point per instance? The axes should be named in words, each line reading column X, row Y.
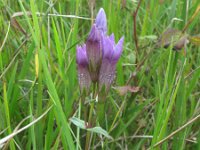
column 83, row 71
column 94, row 44
column 111, row 54
column 97, row 59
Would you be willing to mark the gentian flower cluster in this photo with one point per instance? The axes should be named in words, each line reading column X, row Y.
column 97, row 58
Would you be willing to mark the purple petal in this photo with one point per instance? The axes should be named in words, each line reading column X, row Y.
column 81, row 57
column 84, row 79
column 107, row 48
column 107, row 74
column 94, row 34
column 112, row 38
column 118, row 50
column 101, row 21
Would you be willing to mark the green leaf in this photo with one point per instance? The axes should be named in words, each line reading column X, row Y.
column 81, row 124
column 100, row 131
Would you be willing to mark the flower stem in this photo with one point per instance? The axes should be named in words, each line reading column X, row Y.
column 78, row 129
column 101, row 112
column 88, row 135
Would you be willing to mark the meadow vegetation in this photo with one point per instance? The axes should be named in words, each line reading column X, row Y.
column 154, row 102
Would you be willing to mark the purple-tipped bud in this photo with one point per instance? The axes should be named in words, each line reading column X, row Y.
column 118, row 50
column 101, row 21
column 112, row 38
column 111, row 54
column 95, row 34
column 81, row 57
column 111, row 50
column 107, row 46
column 83, row 72
column 94, row 52
column 94, row 45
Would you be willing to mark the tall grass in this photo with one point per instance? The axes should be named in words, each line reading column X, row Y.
column 38, row 70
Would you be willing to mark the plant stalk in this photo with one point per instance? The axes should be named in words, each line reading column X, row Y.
column 88, row 135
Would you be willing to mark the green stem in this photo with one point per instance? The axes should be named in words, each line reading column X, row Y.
column 7, row 113
column 101, row 112
column 88, row 135
column 78, row 129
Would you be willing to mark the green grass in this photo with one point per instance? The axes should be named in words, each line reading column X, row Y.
column 38, row 70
